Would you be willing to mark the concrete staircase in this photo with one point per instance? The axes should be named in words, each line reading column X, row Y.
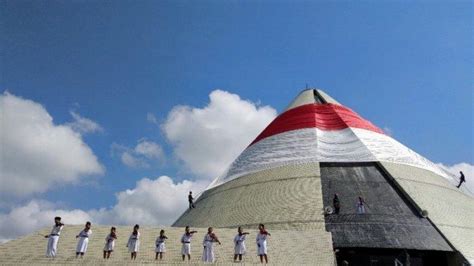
column 286, row 247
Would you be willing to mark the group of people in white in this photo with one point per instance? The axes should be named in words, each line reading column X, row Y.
column 133, row 243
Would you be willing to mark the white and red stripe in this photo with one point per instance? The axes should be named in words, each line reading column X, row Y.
column 321, row 133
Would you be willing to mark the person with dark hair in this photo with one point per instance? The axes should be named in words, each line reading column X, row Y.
column 239, row 244
column 190, row 200
column 208, row 243
column 133, row 243
column 462, row 179
column 53, row 237
column 360, row 205
column 83, row 240
column 262, row 243
column 160, row 245
column 336, row 204
column 186, row 241
column 110, row 243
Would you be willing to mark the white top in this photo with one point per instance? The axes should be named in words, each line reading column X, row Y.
column 238, row 239
column 85, row 234
column 160, row 240
column 56, row 230
column 134, row 237
column 109, row 238
column 261, row 238
column 186, row 238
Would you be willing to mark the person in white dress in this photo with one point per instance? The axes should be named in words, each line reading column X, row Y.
column 133, row 243
column 208, row 243
column 83, row 240
column 186, row 241
column 53, row 238
column 160, row 245
column 360, row 205
column 110, row 243
column 239, row 244
column 262, row 243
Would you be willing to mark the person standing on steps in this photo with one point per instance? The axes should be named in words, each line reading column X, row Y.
column 83, row 240
column 133, row 243
column 110, row 243
column 160, row 245
column 186, row 241
column 239, row 244
column 53, row 238
column 262, row 243
column 208, row 243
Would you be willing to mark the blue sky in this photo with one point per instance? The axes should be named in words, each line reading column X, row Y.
column 404, row 66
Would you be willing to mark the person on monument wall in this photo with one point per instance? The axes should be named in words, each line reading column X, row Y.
column 360, row 205
column 336, row 204
column 191, row 200
column 462, row 179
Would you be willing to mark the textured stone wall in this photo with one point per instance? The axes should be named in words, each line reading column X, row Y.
column 451, row 210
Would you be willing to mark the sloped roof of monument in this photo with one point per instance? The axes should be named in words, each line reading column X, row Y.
column 316, row 128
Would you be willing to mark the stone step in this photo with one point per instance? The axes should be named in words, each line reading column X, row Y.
column 284, row 247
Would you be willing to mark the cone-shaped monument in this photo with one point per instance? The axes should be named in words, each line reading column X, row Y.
column 288, row 176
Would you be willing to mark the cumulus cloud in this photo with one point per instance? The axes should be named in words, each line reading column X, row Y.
column 150, row 117
column 35, row 215
column 83, row 125
column 152, row 202
column 466, row 168
column 208, row 139
column 36, row 154
column 142, row 155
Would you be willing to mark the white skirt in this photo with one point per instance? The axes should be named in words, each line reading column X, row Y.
column 82, row 244
column 262, row 249
column 134, row 246
column 186, row 249
column 52, row 246
column 240, row 249
column 109, row 246
column 161, row 247
column 208, row 253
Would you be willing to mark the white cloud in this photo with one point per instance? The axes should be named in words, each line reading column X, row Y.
column 35, row 215
column 149, row 149
column 208, row 139
column 83, row 125
column 466, row 168
column 142, row 155
column 130, row 160
column 151, row 202
column 150, row 117
column 35, row 153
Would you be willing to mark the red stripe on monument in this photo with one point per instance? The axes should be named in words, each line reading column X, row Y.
column 323, row 116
